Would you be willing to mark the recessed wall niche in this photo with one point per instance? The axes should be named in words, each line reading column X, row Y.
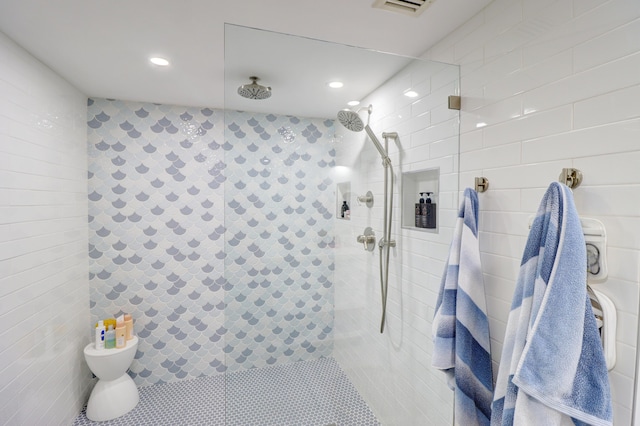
column 414, row 183
column 343, row 196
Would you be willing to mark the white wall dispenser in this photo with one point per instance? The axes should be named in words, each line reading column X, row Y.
column 595, row 238
column 606, row 318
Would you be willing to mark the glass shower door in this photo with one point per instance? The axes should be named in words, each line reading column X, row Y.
column 302, row 303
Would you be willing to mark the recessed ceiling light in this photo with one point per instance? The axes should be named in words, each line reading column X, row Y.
column 353, row 103
column 162, row 62
column 335, row 84
column 411, row 94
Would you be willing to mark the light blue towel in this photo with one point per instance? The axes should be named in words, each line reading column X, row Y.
column 552, row 370
column 461, row 346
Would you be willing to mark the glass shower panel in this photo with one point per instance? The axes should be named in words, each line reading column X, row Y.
column 279, row 238
column 300, row 294
column 392, row 371
column 278, row 241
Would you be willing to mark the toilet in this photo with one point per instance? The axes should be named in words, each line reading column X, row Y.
column 115, row 394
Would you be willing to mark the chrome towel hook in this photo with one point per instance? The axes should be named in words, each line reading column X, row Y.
column 571, row 177
column 482, row 184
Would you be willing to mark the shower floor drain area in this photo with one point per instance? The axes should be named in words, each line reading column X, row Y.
column 308, row 393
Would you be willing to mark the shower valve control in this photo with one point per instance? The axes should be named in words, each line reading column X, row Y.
column 368, row 239
column 383, row 242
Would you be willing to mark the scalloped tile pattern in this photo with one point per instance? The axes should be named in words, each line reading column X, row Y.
column 279, row 240
column 214, row 232
column 306, row 393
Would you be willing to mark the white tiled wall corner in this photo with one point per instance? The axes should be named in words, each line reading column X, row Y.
column 545, row 85
column 575, row 83
column 43, row 243
column 392, row 370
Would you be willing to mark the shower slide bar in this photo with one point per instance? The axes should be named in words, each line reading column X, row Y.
column 352, row 121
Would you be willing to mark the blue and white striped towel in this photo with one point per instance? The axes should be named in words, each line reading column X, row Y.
column 552, row 370
column 461, row 346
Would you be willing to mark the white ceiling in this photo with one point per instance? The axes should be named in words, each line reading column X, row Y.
column 102, row 46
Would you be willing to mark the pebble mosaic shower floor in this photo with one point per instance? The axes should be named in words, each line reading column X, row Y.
column 308, row 393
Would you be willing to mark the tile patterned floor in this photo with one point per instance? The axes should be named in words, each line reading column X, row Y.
column 309, row 393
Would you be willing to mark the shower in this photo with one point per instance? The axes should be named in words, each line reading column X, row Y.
column 352, row 121
column 254, row 90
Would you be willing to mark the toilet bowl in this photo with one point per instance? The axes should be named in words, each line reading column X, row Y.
column 115, row 394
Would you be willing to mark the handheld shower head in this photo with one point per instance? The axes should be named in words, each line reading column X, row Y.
column 376, row 142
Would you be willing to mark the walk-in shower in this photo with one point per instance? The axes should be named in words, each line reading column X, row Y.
column 220, row 230
column 352, row 121
column 298, row 292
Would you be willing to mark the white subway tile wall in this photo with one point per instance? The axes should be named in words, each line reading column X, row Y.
column 44, row 292
column 544, row 85
column 392, row 370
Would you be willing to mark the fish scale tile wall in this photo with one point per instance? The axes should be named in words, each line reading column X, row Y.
column 279, row 239
column 218, row 240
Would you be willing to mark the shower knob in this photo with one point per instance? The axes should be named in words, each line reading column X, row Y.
column 368, row 239
column 366, row 199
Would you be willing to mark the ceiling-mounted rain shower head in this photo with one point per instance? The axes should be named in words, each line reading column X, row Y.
column 254, row 90
column 351, row 120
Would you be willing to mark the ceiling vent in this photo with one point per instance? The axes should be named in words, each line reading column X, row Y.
column 408, row 7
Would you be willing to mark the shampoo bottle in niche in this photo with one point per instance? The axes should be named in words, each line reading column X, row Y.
column 100, row 335
column 344, row 210
column 429, row 212
column 419, row 209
